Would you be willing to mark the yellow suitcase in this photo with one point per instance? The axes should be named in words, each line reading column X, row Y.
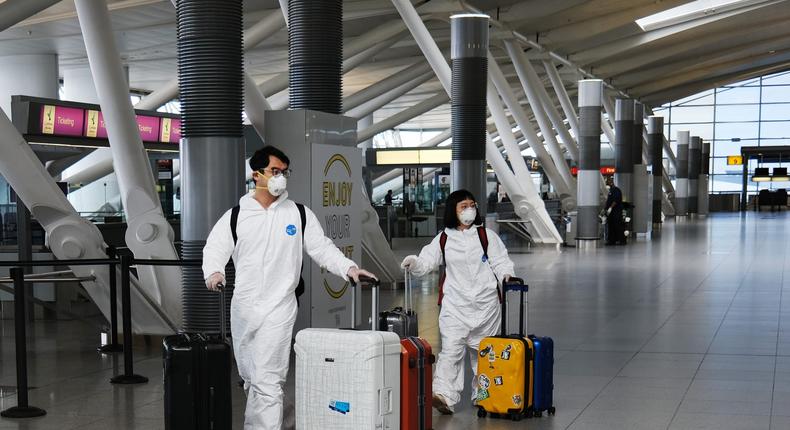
column 504, row 377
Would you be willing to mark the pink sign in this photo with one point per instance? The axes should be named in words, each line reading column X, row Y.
column 175, row 130
column 63, row 121
column 149, row 128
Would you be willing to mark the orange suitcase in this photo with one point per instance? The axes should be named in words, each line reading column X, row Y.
column 416, row 379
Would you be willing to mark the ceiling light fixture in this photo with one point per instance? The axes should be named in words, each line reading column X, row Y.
column 694, row 10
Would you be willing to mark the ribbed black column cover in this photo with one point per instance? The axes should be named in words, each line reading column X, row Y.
column 315, row 55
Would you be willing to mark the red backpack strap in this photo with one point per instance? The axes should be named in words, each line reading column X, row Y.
column 442, row 243
column 482, row 234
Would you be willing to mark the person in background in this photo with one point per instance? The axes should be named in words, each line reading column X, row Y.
column 614, row 214
column 388, row 198
column 267, row 257
column 469, row 296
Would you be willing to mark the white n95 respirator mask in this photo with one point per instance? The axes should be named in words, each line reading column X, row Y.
column 277, row 185
column 467, row 216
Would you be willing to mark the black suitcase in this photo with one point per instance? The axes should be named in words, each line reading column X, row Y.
column 401, row 320
column 197, row 384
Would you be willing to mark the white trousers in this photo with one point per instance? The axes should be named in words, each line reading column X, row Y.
column 458, row 337
column 262, row 344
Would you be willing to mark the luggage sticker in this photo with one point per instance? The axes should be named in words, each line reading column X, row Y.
column 486, row 350
column 517, row 399
column 483, row 381
column 498, row 380
column 492, row 355
column 482, row 395
column 506, row 352
column 341, row 407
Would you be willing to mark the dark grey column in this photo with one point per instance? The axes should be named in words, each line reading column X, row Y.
column 704, row 177
column 588, row 181
column 623, row 147
column 655, row 144
column 468, row 51
column 682, row 173
column 210, row 82
column 695, row 161
column 639, row 186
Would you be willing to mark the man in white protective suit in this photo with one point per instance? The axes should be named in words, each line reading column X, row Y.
column 267, row 255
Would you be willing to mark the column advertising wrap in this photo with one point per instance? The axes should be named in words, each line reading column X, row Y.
column 336, row 171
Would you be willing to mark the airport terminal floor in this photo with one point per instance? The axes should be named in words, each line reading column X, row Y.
column 684, row 331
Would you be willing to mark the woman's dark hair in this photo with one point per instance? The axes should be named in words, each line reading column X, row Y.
column 260, row 159
column 450, row 217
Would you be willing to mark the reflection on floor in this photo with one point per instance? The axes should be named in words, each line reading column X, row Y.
column 685, row 331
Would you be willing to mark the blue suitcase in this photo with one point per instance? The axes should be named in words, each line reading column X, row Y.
column 543, row 382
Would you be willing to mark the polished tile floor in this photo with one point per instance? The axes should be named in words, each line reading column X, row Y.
column 684, row 331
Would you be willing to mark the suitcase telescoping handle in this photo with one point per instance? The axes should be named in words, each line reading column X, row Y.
column 374, row 299
column 518, row 285
column 408, row 302
column 223, row 329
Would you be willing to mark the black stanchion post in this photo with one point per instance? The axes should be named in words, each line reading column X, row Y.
column 22, row 409
column 113, row 346
column 128, row 376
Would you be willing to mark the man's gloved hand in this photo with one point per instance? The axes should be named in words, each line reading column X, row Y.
column 355, row 272
column 409, row 262
column 506, row 278
column 213, row 281
column 608, row 211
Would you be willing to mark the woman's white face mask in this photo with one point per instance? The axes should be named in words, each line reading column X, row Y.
column 467, row 216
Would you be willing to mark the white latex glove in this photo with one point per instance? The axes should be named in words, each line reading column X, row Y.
column 355, row 272
column 409, row 262
column 608, row 211
column 506, row 278
column 213, row 281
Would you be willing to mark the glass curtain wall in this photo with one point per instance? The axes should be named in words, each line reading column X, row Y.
column 755, row 112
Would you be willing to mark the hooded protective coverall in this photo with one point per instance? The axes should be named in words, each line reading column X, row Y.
column 470, row 307
column 268, row 259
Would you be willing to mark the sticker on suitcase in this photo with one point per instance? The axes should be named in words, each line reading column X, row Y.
column 483, row 381
column 341, row 407
column 506, row 352
column 517, row 400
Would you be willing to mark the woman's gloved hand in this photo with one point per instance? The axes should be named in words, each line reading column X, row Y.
column 409, row 262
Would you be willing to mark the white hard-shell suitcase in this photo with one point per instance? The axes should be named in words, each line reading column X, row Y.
column 348, row 379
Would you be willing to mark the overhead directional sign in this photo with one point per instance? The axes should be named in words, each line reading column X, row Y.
column 734, row 160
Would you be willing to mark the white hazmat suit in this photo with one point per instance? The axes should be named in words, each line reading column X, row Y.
column 268, row 260
column 470, row 307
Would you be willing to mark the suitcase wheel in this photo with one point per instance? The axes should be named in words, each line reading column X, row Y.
column 531, row 413
column 552, row 410
column 494, row 415
column 538, row 414
column 516, row 417
column 481, row 413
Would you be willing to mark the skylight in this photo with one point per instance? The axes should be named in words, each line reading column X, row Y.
column 694, row 10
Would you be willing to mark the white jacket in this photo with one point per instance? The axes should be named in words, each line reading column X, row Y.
column 268, row 254
column 470, row 288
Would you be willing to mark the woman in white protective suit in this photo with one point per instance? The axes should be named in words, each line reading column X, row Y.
column 267, row 255
column 475, row 260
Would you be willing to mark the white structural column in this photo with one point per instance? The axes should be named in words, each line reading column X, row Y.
column 682, row 182
column 590, row 92
column 528, row 75
column 641, row 198
column 30, row 75
column 68, row 235
column 148, row 235
column 439, row 65
column 562, row 96
column 540, row 115
column 566, row 190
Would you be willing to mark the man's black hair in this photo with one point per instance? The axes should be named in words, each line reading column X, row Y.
column 450, row 217
column 260, row 159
